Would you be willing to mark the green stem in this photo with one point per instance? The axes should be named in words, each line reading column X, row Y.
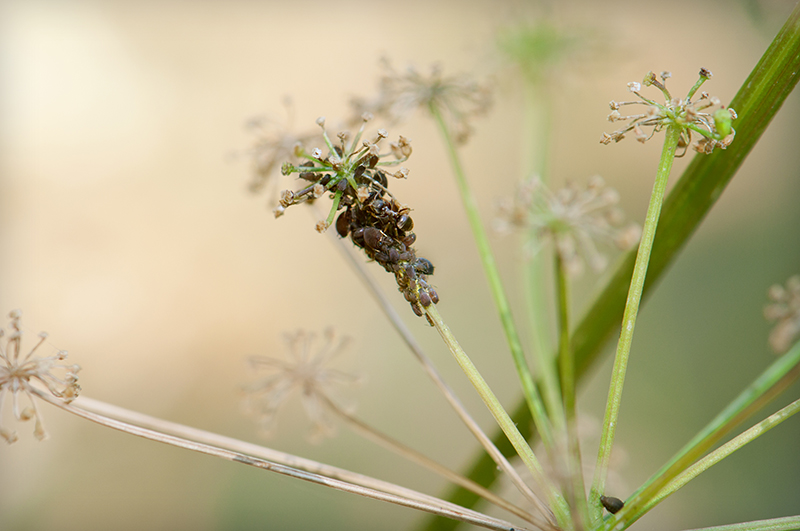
column 721, row 453
column 540, row 337
column 537, row 134
column 566, row 364
column 529, row 389
column 774, row 380
column 629, row 319
column 557, row 503
column 336, row 198
column 788, row 523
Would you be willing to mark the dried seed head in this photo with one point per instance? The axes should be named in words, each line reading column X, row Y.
column 784, row 309
column 19, row 376
column 575, row 219
column 689, row 116
column 307, row 371
column 458, row 98
column 273, row 142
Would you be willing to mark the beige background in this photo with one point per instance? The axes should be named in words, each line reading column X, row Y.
column 127, row 233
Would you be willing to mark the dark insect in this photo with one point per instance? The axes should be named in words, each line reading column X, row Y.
column 343, row 223
column 423, row 266
column 376, row 239
column 404, row 222
column 612, row 505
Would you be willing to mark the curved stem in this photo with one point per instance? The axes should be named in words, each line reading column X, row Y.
column 338, row 479
column 629, row 319
column 529, row 389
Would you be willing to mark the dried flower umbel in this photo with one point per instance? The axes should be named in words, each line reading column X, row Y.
column 306, row 370
column 574, row 218
column 273, row 144
column 714, row 127
column 373, row 218
column 457, row 97
column 785, row 309
column 18, row 374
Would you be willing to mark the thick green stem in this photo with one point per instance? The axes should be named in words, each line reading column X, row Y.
column 629, row 319
column 557, row 503
column 529, row 389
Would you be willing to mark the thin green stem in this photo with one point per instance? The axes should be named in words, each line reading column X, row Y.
column 629, row 320
column 788, row 523
column 721, row 453
column 528, row 386
column 540, row 337
column 557, row 503
column 537, row 134
column 566, row 364
column 774, row 380
column 500, row 461
column 336, row 198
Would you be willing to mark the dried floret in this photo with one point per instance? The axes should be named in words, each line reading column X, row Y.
column 785, row 310
column 305, row 370
column 715, row 128
column 575, row 219
column 19, row 375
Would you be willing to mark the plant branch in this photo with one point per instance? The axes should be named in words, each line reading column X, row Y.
column 393, row 494
column 629, row 319
column 427, row 364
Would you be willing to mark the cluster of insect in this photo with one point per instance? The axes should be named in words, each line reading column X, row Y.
column 375, row 220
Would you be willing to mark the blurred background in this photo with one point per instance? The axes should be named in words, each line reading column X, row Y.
column 128, row 234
